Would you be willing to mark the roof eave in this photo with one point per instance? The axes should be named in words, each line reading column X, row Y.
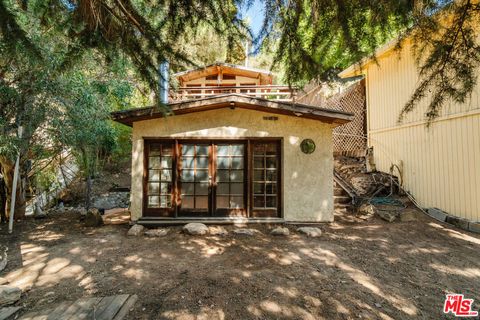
column 128, row 117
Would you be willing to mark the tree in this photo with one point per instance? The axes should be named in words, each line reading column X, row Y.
column 37, row 89
column 145, row 31
column 83, row 126
column 318, row 38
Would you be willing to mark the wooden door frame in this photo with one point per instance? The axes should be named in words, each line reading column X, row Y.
column 248, row 174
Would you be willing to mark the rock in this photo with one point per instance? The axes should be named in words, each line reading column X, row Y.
column 136, row 230
column 280, row 231
column 408, row 215
column 156, row 232
column 389, row 216
column 3, row 258
column 367, row 209
column 195, row 229
column 245, row 232
column 437, row 214
column 82, row 211
column 112, row 200
column 9, row 295
column 93, row 218
column 38, row 213
column 60, row 207
column 458, row 222
column 217, row 231
column 312, row 232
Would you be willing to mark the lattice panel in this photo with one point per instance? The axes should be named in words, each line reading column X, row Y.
column 351, row 137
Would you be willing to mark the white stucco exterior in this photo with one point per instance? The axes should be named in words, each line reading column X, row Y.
column 307, row 179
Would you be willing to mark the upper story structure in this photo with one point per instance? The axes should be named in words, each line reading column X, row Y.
column 224, row 78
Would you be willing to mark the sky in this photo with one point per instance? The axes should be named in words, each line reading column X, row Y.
column 254, row 15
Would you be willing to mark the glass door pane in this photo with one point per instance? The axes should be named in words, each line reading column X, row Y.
column 195, row 177
column 159, row 179
column 230, row 177
column 265, row 175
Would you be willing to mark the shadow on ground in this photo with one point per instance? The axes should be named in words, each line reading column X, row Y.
column 371, row 270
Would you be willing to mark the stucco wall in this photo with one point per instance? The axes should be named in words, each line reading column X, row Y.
column 307, row 179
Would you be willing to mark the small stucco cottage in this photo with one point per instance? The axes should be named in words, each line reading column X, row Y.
column 235, row 146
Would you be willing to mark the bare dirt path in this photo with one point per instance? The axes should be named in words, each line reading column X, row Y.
column 357, row 269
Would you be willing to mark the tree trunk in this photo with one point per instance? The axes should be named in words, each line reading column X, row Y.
column 3, row 201
column 88, row 194
column 8, row 168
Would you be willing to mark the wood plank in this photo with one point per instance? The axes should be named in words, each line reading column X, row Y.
column 126, row 307
column 7, row 312
column 97, row 308
column 74, row 308
column 42, row 314
column 112, row 309
column 55, row 314
column 100, row 307
column 84, row 309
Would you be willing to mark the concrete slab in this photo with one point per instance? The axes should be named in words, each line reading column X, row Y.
column 437, row 214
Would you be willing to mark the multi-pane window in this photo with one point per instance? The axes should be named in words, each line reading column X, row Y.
column 265, row 175
column 230, row 176
column 194, row 176
column 159, row 183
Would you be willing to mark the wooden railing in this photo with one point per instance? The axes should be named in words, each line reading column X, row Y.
column 270, row 92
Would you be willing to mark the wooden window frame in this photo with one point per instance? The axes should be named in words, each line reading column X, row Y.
column 158, row 212
column 249, row 211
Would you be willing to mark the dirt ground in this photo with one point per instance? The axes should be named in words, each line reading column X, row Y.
column 356, row 269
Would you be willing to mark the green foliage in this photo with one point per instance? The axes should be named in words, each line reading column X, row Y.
column 46, row 179
column 449, row 70
column 146, row 32
column 83, row 125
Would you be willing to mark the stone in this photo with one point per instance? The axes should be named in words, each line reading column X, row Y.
column 408, row 215
column 367, row 209
column 3, row 258
column 136, row 230
column 312, row 232
column 38, row 212
column 93, row 218
column 111, row 200
column 389, row 216
column 458, row 222
column 437, row 214
column 280, row 231
column 9, row 295
column 195, row 229
column 474, row 227
column 245, row 232
column 156, row 233
column 217, row 231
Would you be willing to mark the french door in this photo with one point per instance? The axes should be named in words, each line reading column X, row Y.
column 212, row 178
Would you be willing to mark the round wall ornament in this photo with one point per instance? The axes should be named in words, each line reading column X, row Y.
column 307, row 146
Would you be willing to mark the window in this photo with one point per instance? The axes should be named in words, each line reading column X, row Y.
column 159, row 176
column 212, row 77
column 227, row 76
column 265, row 175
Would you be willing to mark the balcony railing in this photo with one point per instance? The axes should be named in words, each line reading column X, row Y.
column 270, row 92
